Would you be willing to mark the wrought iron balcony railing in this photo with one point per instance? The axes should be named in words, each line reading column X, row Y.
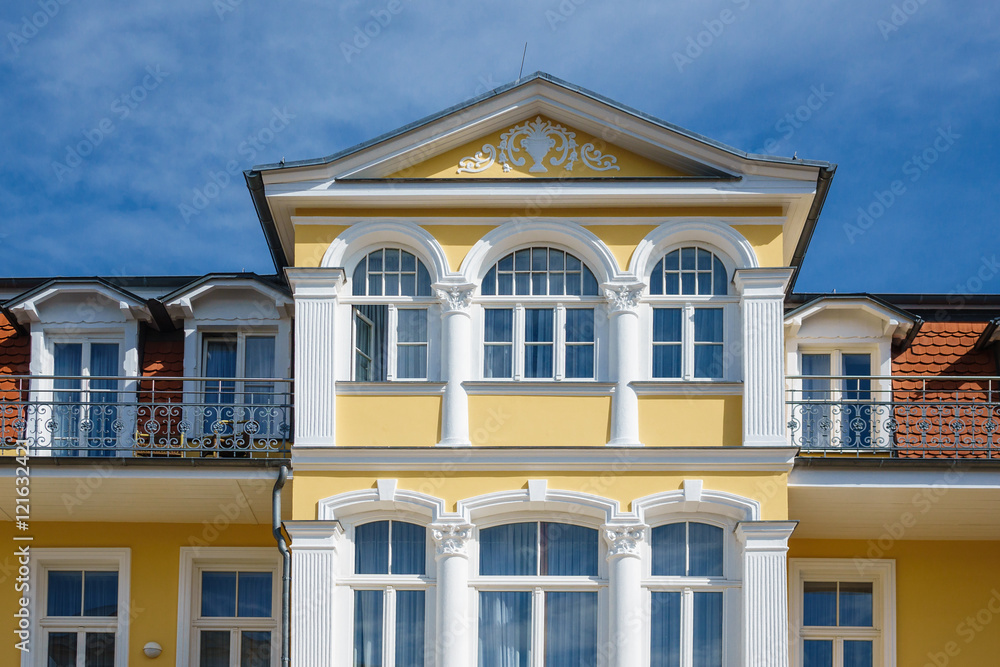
column 218, row 417
column 938, row 417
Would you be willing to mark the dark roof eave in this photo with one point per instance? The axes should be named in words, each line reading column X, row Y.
column 823, row 181
column 255, row 184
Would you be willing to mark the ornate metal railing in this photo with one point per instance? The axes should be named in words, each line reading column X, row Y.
column 951, row 417
column 146, row 417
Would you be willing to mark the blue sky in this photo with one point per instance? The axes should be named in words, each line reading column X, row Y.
column 165, row 96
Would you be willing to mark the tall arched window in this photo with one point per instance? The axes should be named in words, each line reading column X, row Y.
column 537, row 324
column 689, row 290
column 390, row 332
column 688, row 587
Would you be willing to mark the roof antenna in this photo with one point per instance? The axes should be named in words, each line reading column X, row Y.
column 520, row 71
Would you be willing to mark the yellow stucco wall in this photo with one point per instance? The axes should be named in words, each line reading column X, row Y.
column 528, row 421
column 312, row 241
column 622, row 483
column 690, row 421
column 457, row 240
column 155, row 563
column 944, row 592
column 386, row 421
column 766, row 241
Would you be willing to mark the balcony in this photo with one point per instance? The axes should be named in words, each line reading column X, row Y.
column 161, row 417
column 906, row 417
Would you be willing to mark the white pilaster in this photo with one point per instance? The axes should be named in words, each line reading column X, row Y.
column 315, row 292
column 457, row 342
column 314, row 576
column 765, row 591
column 627, row 620
column 453, row 622
column 623, row 300
column 762, row 297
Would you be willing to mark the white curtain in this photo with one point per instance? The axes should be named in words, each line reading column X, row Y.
column 504, row 629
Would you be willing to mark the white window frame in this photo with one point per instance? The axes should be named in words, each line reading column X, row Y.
column 392, row 333
column 559, row 305
column 194, row 561
column 880, row 573
column 350, row 582
column 729, row 584
column 44, row 560
column 539, row 585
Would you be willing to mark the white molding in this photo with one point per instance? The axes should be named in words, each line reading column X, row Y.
column 193, row 558
column 895, row 325
column 356, row 241
column 482, row 509
column 695, row 499
column 620, row 459
column 394, row 388
column 344, row 506
column 492, row 220
column 705, row 230
column 315, row 370
column 42, row 560
column 537, row 388
column 882, row 574
column 765, row 598
column 686, row 388
column 27, row 310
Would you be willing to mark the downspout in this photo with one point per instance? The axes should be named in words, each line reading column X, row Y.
column 286, row 566
column 823, row 181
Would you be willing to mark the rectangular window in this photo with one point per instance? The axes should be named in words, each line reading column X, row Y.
column 237, row 392
column 689, row 343
column 539, row 343
column 836, row 407
column 667, row 342
column 708, row 336
column 844, row 619
column 499, row 343
column 85, row 398
column 390, row 343
column 580, row 343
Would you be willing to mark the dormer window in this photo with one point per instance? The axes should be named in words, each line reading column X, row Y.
column 390, row 332
column 539, row 317
column 689, row 290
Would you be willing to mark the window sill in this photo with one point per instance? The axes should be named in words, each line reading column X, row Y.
column 395, row 388
column 538, row 387
column 687, row 388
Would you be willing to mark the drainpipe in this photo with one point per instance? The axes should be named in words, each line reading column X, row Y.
column 286, row 566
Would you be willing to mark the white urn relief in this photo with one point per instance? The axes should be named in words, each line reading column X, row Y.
column 537, row 138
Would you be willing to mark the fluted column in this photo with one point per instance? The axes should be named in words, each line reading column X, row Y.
column 457, row 343
column 623, row 311
column 315, row 292
column 762, row 298
column 625, row 584
column 453, row 622
column 765, row 591
column 314, row 576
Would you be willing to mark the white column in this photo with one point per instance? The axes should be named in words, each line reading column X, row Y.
column 762, row 298
column 627, row 618
column 456, row 369
column 765, row 591
column 453, row 622
column 624, row 316
column 315, row 292
column 314, row 578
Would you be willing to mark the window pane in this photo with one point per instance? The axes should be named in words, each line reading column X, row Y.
column 407, row 262
column 538, row 259
column 818, row 653
column 708, row 361
column 539, row 284
column 569, row 550
column 665, row 630
column 819, row 603
column 708, row 629
column 537, row 361
column 538, row 325
column 668, row 546
column 497, row 361
column 590, row 283
column 556, row 262
column 391, row 259
column 255, row 649
column 254, row 595
column 379, row 337
column 704, row 259
column 708, row 325
column 687, row 283
column 705, row 544
column 721, row 278
column 509, row 550
column 368, row 628
column 507, row 263
column 522, row 260
column 100, row 649
column 856, row 604
column 704, row 283
column 573, row 263
column 580, row 361
column 409, row 628
column 411, row 362
column 68, row 358
column 858, row 653
column 218, row 594
column 259, row 362
column 499, row 325
column 358, row 280
column 570, row 629
column 62, row 649
column 522, row 283
column 580, row 325
column 409, row 548
column 220, row 358
column 371, row 548
column 489, row 286
column 688, row 259
column 557, row 283
column 65, row 593
column 574, row 284
column 214, row 650
column 423, row 280
column 504, row 629
column 666, row 361
column 667, row 325
column 656, row 279
column 100, row 594
column 671, row 262
column 375, row 261
column 412, row 325
column 671, row 283
column 505, row 283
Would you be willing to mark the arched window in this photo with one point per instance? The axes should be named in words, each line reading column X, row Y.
column 543, row 340
column 389, row 599
column 538, row 574
column 390, row 334
column 687, row 595
column 689, row 290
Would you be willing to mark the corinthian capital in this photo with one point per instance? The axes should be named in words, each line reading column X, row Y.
column 455, row 298
column 452, row 539
column 623, row 540
column 623, row 297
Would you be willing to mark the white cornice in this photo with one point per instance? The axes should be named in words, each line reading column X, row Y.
column 567, row 459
